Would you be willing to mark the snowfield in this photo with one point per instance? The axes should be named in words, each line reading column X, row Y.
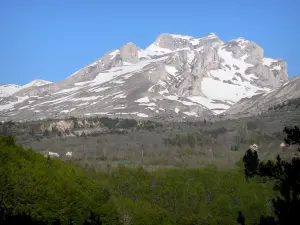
column 8, row 89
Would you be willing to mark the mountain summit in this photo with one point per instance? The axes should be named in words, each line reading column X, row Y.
column 10, row 89
column 177, row 75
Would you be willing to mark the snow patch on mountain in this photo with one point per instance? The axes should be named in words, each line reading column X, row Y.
column 113, row 54
column 214, row 89
column 36, row 83
column 242, row 43
column 68, row 90
column 142, row 115
column 182, row 36
column 91, row 98
column 276, row 68
column 268, row 61
column 99, row 89
column 191, row 113
column 190, row 56
column 153, row 50
column 143, row 100
column 171, row 70
column 209, row 103
column 12, row 104
column 8, row 89
column 113, row 73
column 144, row 54
column 233, row 63
column 118, row 96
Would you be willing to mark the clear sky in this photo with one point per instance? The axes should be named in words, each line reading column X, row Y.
column 51, row 39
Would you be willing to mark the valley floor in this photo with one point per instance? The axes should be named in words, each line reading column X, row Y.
column 104, row 142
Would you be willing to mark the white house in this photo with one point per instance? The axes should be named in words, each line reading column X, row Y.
column 69, row 154
column 53, row 154
column 284, row 145
column 254, row 147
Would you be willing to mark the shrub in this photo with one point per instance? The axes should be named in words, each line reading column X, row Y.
column 127, row 123
column 251, row 125
column 108, row 122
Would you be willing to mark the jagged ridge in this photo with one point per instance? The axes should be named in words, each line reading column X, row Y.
column 177, row 75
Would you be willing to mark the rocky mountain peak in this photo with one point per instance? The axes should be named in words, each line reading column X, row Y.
column 176, row 76
column 8, row 89
column 131, row 44
column 241, row 47
column 36, row 83
column 165, row 43
column 173, row 42
column 12, row 89
column 212, row 35
column 129, row 53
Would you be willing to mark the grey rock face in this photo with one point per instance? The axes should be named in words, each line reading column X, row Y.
column 177, row 76
column 240, row 47
column 129, row 53
column 38, row 91
column 174, row 42
column 262, row 102
column 268, row 77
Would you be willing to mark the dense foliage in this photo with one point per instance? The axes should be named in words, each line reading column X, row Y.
column 49, row 190
column 287, row 176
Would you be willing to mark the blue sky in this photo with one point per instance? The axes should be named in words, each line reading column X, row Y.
column 51, row 39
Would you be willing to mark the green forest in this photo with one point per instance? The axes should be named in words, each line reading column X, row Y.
column 41, row 190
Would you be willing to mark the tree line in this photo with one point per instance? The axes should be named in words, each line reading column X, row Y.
column 39, row 190
column 286, row 175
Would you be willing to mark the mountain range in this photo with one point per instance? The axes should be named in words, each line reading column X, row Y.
column 176, row 76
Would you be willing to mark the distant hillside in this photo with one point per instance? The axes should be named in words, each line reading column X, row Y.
column 54, row 192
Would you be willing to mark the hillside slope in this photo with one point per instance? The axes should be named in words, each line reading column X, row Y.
column 261, row 103
column 178, row 76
